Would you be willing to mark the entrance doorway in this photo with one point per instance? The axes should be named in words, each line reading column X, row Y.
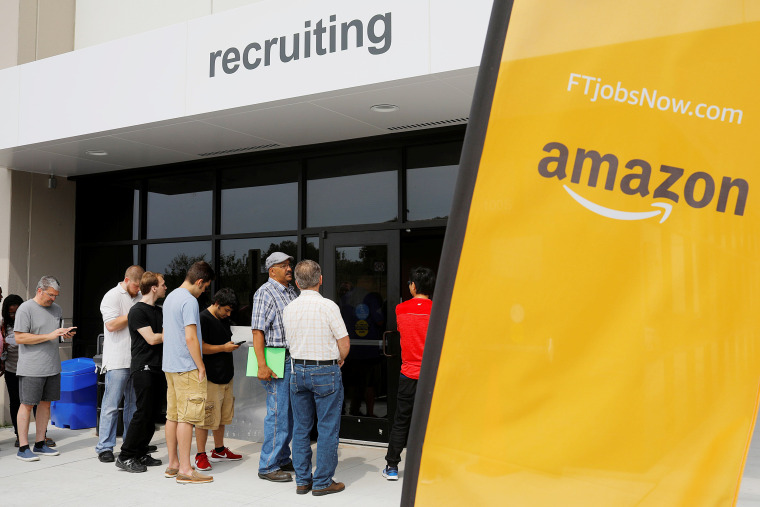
column 361, row 276
column 365, row 273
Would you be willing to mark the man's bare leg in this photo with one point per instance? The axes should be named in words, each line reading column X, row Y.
column 170, row 430
column 184, row 443
column 218, row 437
column 41, row 420
column 201, row 437
column 22, row 421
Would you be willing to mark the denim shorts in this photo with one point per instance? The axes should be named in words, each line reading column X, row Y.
column 33, row 390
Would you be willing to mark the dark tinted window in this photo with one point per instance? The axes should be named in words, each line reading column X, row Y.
column 359, row 188
column 311, row 249
column 180, row 205
column 174, row 259
column 241, row 266
column 102, row 268
column 107, row 211
column 260, row 198
column 431, row 179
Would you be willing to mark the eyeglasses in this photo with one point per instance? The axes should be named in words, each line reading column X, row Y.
column 51, row 296
column 284, row 266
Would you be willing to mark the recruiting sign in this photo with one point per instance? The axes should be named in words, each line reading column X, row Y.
column 609, row 205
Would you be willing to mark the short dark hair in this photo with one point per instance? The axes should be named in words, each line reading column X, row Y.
column 226, row 297
column 424, row 280
column 10, row 300
column 201, row 270
column 148, row 280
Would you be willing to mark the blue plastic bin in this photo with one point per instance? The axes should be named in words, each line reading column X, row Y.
column 79, row 396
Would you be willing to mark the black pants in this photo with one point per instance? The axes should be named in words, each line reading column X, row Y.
column 150, row 389
column 11, row 383
column 407, row 388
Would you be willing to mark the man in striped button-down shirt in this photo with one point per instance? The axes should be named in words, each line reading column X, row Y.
column 266, row 324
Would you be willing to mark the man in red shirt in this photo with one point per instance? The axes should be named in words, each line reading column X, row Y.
column 412, row 319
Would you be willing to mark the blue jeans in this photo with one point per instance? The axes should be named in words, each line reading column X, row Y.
column 118, row 384
column 278, row 424
column 316, row 389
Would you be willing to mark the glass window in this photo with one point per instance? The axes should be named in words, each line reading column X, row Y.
column 353, row 189
column 431, row 179
column 311, row 250
column 261, row 198
column 180, row 205
column 101, row 268
column 242, row 268
column 174, row 259
column 107, row 211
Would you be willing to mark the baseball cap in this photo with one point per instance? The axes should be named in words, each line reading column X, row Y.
column 276, row 258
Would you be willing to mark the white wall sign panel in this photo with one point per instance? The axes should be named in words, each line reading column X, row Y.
column 457, row 33
column 274, row 50
column 129, row 81
column 99, row 21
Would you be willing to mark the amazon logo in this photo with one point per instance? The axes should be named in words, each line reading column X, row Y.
column 668, row 185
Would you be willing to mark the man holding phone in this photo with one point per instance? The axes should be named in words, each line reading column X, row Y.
column 220, row 369
column 37, row 333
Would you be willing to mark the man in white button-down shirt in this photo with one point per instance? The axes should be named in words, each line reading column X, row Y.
column 319, row 344
column 117, row 356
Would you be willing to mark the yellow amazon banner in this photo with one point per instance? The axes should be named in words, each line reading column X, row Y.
column 601, row 342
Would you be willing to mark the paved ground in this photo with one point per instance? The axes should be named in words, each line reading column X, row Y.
column 77, row 478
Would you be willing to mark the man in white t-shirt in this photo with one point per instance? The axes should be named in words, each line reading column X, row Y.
column 117, row 357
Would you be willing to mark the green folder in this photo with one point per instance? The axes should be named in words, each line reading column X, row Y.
column 275, row 358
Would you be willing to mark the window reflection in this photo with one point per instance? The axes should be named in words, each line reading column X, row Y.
column 431, row 180
column 180, row 205
column 174, row 259
column 261, row 198
column 430, row 191
column 353, row 189
column 242, row 268
column 311, row 250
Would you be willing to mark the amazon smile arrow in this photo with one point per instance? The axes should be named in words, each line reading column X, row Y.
column 622, row 215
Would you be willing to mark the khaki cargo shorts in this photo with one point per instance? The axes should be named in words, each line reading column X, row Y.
column 185, row 397
column 220, row 406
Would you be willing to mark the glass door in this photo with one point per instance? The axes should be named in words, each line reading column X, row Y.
column 361, row 274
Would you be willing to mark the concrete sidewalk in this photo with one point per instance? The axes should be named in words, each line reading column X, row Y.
column 77, row 478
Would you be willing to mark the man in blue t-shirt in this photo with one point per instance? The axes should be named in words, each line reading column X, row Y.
column 185, row 372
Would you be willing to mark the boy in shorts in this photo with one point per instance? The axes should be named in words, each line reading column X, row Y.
column 185, row 372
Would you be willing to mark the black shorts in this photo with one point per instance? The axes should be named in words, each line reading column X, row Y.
column 33, row 390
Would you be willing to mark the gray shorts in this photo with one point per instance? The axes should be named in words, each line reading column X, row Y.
column 33, row 390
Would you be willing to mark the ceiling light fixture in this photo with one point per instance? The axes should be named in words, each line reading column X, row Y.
column 97, row 153
column 384, row 108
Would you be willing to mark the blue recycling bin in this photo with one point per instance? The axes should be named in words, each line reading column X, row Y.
column 79, row 396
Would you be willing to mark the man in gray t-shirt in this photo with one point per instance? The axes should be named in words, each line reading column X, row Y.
column 39, row 367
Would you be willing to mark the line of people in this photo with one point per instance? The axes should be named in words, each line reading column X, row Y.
column 187, row 354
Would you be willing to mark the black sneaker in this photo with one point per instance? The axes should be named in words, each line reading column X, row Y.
column 106, row 457
column 152, row 448
column 149, row 461
column 130, row 465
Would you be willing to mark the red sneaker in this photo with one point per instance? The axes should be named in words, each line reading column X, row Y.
column 225, row 455
column 201, row 462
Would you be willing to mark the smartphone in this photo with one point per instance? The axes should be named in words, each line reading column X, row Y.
column 240, row 342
